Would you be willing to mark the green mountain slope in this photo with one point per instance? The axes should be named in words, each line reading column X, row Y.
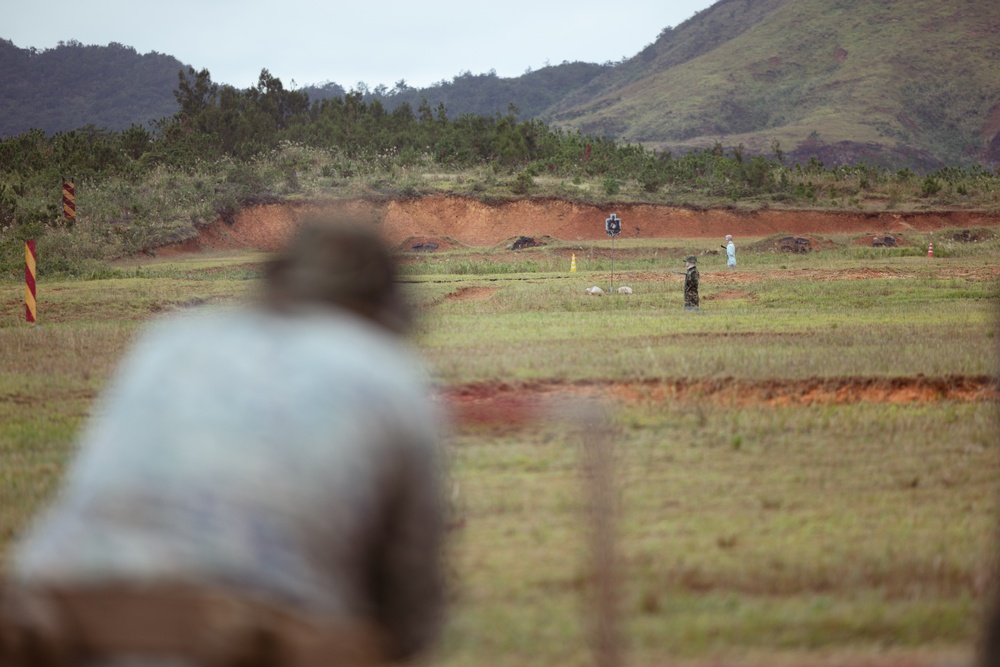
column 892, row 81
column 694, row 38
column 73, row 85
column 484, row 94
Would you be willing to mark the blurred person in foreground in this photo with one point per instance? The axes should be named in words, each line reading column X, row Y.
column 260, row 486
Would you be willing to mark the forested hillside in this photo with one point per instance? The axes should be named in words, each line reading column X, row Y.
column 894, row 83
column 72, row 86
column 113, row 86
column 483, row 94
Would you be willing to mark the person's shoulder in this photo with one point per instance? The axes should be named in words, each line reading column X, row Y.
column 337, row 337
column 180, row 327
column 194, row 318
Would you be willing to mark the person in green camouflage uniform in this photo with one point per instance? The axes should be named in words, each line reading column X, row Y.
column 691, row 279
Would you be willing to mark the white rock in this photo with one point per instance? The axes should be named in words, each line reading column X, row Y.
column 624, row 289
column 594, row 291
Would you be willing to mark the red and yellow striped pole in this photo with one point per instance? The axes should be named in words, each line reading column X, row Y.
column 69, row 203
column 30, row 311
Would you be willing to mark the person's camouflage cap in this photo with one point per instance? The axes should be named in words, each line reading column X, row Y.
column 691, row 259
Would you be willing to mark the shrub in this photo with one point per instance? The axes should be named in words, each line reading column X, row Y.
column 930, row 187
column 523, row 183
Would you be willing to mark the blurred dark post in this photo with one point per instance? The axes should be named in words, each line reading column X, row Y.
column 989, row 648
column 600, row 495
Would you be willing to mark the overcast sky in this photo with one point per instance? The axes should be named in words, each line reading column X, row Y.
column 311, row 41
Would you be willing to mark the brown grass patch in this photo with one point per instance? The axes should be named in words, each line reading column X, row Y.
column 471, row 294
column 728, row 294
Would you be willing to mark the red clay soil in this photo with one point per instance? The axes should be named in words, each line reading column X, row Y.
column 510, row 405
column 474, row 223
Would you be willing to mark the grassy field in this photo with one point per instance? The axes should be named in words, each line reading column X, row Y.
column 748, row 529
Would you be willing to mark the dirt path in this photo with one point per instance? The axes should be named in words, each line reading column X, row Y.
column 513, row 404
column 474, row 223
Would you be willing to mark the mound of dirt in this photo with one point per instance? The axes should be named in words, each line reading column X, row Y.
column 426, row 244
column 796, row 244
column 973, row 236
column 524, row 242
column 881, row 241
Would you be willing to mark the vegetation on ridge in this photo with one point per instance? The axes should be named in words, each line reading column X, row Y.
column 227, row 148
column 898, row 84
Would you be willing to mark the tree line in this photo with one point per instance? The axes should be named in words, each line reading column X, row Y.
column 72, row 84
column 226, row 147
column 217, row 122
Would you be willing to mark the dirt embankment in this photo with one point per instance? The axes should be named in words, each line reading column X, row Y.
column 500, row 404
column 475, row 223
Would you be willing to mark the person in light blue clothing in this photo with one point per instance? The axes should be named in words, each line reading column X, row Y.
column 730, row 252
column 259, row 486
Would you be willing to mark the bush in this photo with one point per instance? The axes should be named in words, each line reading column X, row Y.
column 523, row 184
column 930, row 187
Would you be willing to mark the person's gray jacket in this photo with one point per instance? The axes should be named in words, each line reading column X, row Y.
column 286, row 455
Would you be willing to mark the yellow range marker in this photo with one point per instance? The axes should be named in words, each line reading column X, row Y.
column 30, row 312
column 69, row 202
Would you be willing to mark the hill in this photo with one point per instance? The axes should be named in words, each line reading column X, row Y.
column 72, row 85
column 488, row 94
column 113, row 86
column 897, row 83
column 892, row 82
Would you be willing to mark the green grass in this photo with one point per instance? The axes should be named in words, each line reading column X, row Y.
column 795, row 319
column 745, row 531
column 811, row 536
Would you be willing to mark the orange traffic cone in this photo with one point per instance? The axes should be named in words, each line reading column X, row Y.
column 930, row 249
